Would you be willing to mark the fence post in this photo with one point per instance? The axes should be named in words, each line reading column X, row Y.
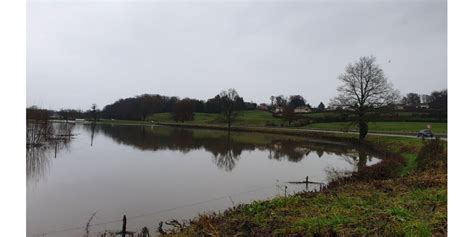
column 124, row 226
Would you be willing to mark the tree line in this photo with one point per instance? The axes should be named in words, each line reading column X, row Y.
column 436, row 100
column 139, row 107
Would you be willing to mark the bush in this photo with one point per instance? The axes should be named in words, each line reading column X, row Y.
column 432, row 154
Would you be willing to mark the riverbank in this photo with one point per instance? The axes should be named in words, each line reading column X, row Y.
column 255, row 118
column 396, row 198
column 414, row 205
column 296, row 130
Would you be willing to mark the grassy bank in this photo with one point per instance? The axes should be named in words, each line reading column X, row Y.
column 413, row 127
column 257, row 118
column 408, row 202
column 246, row 118
column 414, row 205
column 392, row 198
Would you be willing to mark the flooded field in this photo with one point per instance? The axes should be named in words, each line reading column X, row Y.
column 155, row 173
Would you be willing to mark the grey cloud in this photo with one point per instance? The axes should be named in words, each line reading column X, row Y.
column 83, row 52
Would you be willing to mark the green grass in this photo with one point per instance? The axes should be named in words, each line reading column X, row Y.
column 399, row 114
column 199, row 118
column 253, row 118
column 384, row 126
column 410, row 165
column 321, row 114
column 358, row 209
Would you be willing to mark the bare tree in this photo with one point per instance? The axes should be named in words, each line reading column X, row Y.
column 229, row 105
column 364, row 87
column 94, row 112
column 288, row 114
column 184, row 110
column 281, row 100
column 411, row 99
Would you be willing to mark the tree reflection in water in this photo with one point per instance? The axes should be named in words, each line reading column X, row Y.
column 226, row 147
column 357, row 158
column 227, row 154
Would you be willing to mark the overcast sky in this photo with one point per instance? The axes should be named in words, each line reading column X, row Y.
column 84, row 52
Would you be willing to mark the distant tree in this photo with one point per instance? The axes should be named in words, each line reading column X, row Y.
column 66, row 114
column 439, row 100
column 94, row 112
column 184, row 110
column 213, row 105
column 280, row 101
column 321, row 107
column 169, row 103
column 146, row 105
column 425, row 99
column 411, row 99
column 35, row 113
column 250, row 106
column 199, row 105
column 229, row 101
column 138, row 107
column 296, row 101
column 288, row 114
column 364, row 87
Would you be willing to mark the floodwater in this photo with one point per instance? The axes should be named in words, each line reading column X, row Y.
column 156, row 173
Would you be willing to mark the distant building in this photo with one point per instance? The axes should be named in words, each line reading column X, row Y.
column 263, row 107
column 399, row 106
column 302, row 109
column 278, row 109
column 424, row 106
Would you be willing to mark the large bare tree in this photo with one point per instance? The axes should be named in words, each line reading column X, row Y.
column 364, row 88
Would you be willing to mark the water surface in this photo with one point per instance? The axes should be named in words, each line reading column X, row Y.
column 155, row 173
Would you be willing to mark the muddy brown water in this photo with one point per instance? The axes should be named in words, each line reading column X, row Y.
column 156, row 173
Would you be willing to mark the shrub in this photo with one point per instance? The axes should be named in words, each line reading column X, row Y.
column 432, row 154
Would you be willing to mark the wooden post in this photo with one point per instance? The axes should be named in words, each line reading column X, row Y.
column 124, row 231
column 307, row 183
column 124, row 226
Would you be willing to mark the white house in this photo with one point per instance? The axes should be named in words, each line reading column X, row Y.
column 278, row 109
column 302, row 109
column 424, row 106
